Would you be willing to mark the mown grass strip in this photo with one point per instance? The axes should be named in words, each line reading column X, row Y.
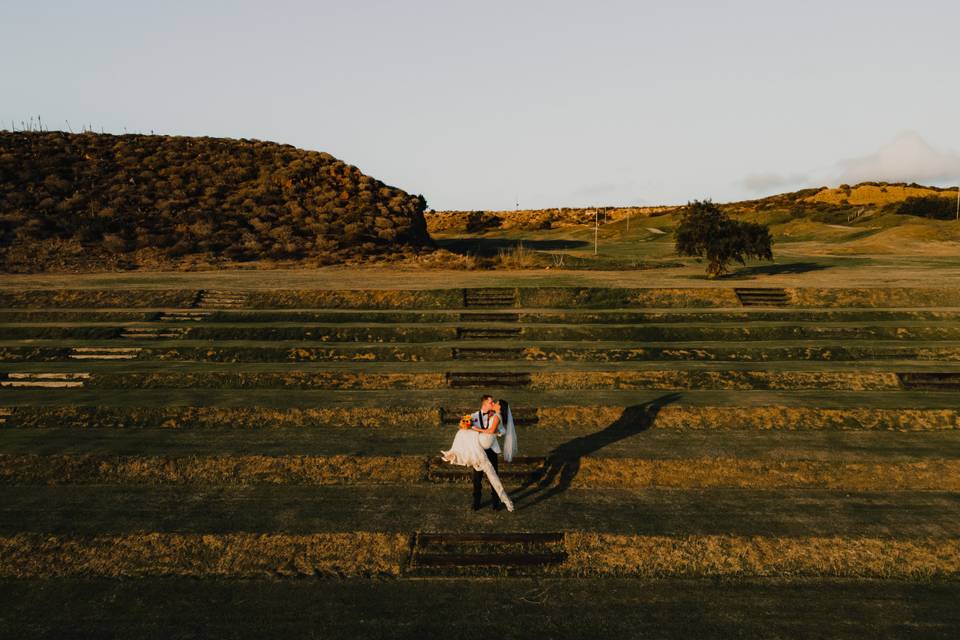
column 235, row 555
column 233, row 470
column 368, row 554
column 585, row 472
column 582, row 418
column 734, row 556
column 702, row 473
column 427, row 333
column 469, row 351
column 78, row 417
column 719, row 380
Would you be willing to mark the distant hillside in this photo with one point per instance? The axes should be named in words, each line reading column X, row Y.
column 830, row 205
column 91, row 202
column 534, row 219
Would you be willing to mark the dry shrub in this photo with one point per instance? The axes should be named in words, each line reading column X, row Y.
column 517, row 257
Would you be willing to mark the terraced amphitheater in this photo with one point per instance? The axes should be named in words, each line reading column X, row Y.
column 695, row 462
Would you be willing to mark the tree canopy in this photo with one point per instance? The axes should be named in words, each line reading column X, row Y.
column 705, row 231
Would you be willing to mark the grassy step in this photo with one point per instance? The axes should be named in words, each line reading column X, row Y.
column 570, row 445
column 198, row 351
column 114, row 509
column 366, row 553
column 455, row 298
column 675, row 415
column 156, row 608
column 942, row 379
column 591, row 400
column 155, row 366
column 433, row 333
column 560, row 473
column 541, row 316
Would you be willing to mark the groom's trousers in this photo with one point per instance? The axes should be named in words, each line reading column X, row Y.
column 478, row 482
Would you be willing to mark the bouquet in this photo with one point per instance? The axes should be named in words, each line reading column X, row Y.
column 465, row 421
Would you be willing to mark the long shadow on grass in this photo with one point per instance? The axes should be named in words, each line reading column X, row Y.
column 563, row 462
column 775, row 269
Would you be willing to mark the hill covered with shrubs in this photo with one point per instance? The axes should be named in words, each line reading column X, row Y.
column 92, row 202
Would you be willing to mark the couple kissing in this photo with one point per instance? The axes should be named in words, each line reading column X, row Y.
column 476, row 445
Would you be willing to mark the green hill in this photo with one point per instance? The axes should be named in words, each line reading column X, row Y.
column 93, row 202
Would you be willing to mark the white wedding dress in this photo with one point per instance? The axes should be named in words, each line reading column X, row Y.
column 468, row 450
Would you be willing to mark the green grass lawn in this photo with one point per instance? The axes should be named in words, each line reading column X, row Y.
column 159, row 409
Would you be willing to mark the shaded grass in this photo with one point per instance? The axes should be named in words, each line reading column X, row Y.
column 245, row 555
column 702, row 472
column 356, row 609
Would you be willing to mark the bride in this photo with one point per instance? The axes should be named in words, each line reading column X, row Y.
column 470, row 444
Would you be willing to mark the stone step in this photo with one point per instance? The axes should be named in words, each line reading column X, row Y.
column 489, row 317
column 487, row 353
column 489, row 297
column 481, row 333
column 522, row 416
column 49, row 376
column 758, row 297
column 149, row 333
column 43, row 380
column 184, row 315
column 104, row 353
column 220, row 298
column 521, row 467
column 487, row 379
column 442, row 553
column 930, row 380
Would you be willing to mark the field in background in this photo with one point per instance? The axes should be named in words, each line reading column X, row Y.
column 816, row 226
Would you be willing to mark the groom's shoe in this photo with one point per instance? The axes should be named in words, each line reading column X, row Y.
column 498, row 506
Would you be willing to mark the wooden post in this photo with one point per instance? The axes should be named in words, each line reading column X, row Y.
column 596, row 230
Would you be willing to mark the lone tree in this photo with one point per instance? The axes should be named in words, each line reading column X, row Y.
column 706, row 231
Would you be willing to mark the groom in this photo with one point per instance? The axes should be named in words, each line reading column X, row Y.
column 481, row 420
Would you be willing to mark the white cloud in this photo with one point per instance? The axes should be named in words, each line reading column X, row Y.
column 908, row 158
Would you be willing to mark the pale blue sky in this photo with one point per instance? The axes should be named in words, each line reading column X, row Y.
column 556, row 103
